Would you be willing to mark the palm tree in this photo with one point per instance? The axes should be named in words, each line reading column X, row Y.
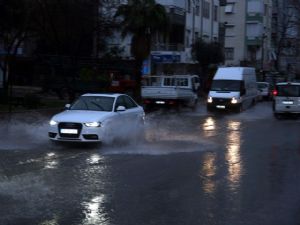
column 142, row 19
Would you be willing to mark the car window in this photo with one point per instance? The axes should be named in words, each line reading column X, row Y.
column 262, row 85
column 129, row 102
column 288, row 90
column 94, row 103
column 227, row 85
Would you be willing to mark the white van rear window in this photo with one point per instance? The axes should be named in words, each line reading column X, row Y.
column 288, row 90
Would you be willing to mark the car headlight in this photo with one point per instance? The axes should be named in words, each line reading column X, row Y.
column 234, row 100
column 209, row 99
column 52, row 122
column 93, row 124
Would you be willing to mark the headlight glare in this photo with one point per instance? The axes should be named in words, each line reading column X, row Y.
column 234, row 100
column 209, row 99
column 52, row 123
column 93, row 124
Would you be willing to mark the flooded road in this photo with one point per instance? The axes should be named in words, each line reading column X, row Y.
column 193, row 168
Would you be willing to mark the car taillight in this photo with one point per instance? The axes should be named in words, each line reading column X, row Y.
column 147, row 101
column 275, row 92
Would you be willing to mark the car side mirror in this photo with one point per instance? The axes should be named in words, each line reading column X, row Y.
column 67, row 106
column 121, row 108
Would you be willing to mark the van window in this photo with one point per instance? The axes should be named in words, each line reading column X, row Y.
column 169, row 82
column 182, row 82
column 227, row 85
column 288, row 90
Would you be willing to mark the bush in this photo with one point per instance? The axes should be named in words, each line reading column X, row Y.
column 32, row 101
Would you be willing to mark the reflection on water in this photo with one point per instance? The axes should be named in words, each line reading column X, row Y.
column 209, row 127
column 209, row 170
column 232, row 155
column 51, row 161
column 94, row 159
column 94, row 211
column 50, row 222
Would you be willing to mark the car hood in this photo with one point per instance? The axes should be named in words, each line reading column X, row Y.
column 81, row 116
column 224, row 94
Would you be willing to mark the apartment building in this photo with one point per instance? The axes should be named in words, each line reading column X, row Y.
column 247, row 36
column 190, row 19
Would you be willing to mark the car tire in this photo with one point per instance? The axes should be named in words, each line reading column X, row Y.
column 277, row 116
column 239, row 108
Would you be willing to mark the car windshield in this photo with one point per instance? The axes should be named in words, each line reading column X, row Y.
column 288, row 90
column 226, row 85
column 262, row 85
column 94, row 103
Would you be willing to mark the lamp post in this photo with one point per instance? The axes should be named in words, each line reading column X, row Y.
column 262, row 50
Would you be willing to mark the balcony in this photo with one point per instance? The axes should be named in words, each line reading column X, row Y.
column 167, row 47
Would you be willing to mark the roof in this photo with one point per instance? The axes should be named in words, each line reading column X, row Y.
column 103, row 94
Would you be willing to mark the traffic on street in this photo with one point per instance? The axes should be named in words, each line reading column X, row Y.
column 192, row 167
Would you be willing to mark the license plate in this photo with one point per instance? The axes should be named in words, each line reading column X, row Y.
column 68, row 131
column 160, row 102
column 288, row 102
column 220, row 106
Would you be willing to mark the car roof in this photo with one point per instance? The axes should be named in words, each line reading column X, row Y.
column 114, row 95
column 288, row 83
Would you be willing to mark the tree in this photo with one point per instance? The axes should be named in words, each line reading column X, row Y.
column 285, row 27
column 207, row 54
column 15, row 28
column 142, row 19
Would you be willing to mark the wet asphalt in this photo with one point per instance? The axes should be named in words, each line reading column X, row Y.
column 194, row 168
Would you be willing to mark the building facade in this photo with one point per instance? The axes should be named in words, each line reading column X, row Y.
column 190, row 20
column 247, row 36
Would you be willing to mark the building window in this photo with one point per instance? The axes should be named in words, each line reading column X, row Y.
column 206, row 7
column 215, row 13
column 229, row 8
column 229, row 53
column 197, row 9
column 187, row 40
column 188, row 6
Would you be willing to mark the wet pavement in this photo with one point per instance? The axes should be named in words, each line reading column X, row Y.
column 193, row 168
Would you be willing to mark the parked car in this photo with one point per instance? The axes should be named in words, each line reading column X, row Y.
column 97, row 118
column 264, row 90
column 286, row 99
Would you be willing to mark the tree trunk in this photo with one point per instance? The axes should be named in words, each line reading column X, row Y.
column 138, row 81
column 5, row 82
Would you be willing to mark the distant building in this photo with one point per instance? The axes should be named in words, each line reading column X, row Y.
column 247, row 32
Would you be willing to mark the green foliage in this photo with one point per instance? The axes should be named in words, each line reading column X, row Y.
column 142, row 19
column 207, row 53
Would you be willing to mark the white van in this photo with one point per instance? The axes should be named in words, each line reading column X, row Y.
column 233, row 88
column 286, row 99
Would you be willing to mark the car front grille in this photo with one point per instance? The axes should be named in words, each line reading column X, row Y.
column 71, row 126
column 221, row 101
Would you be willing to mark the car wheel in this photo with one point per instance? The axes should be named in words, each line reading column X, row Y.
column 194, row 105
column 209, row 108
column 239, row 108
column 277, row 116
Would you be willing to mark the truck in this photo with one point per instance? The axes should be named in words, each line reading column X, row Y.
column 170, row 90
